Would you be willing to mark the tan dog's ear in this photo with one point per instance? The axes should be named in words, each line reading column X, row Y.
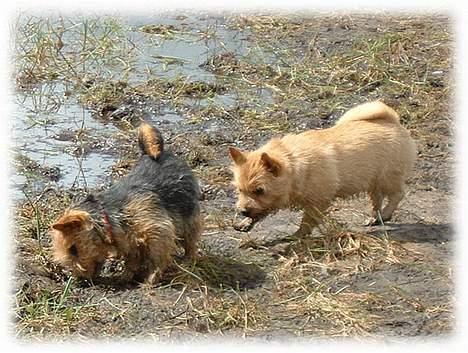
column 237, row 156
column 270, row 164
column 73, row 222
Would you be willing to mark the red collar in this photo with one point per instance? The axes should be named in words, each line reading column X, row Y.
column 108, row 234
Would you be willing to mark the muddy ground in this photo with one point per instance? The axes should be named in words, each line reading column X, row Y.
column 345, row 280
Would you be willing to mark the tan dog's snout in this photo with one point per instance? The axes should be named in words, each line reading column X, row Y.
column 243, row 209
column 247, row 207
column 245, row 212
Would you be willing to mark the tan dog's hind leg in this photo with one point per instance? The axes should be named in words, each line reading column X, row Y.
column 393, row 201
column 377, row 200
column 377, row 197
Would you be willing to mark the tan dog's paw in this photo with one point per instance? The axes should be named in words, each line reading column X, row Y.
column 374, row 222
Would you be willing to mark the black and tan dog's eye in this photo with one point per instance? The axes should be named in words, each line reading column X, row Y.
column 73, row 250
column 259, row 191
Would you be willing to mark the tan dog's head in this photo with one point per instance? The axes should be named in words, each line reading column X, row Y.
column 77, row 245
column 261, row 181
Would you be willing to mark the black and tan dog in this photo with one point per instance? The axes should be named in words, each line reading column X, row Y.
column 141, row 219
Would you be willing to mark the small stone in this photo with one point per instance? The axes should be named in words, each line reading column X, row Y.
column 244, row 225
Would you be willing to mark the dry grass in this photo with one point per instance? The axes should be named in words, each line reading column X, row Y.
column 337, row 242
column 210, row 312
column 291, row 79
column 390, row 64
column 304, row 279
column 302, row 286
column 44, row 49
column 216, row 272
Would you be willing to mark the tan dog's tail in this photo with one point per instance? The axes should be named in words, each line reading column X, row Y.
column 370, row 111
column 150, row 140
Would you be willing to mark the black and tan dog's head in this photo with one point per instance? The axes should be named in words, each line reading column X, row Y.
column 79, row 244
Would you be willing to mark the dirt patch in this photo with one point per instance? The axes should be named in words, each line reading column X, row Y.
column 345, row 279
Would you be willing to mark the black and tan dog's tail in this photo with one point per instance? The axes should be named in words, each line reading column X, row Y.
column 150, row 140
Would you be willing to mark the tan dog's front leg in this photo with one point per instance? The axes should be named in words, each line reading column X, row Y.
column 310, row 219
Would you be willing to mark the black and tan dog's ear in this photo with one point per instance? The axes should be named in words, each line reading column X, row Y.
column 237, row 156
column 271, row 164
column 73, row 222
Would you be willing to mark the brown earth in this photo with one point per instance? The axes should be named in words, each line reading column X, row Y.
column 345, row 280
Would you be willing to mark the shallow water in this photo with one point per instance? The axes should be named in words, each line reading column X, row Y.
column 38, row 134
column 48, row 117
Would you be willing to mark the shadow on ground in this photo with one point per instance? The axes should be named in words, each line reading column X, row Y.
column 416, row 232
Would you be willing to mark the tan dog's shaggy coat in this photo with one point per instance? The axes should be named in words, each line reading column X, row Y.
column 366, row 151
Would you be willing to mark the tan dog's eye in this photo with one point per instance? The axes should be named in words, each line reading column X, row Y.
column 73, row 250
column 259, row 191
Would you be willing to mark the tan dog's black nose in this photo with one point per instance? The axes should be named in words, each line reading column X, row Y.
column 245, row 212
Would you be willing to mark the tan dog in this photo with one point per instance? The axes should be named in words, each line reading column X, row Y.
column 366, row 151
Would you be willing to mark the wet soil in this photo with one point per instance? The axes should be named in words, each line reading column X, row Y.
column 399, row 281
